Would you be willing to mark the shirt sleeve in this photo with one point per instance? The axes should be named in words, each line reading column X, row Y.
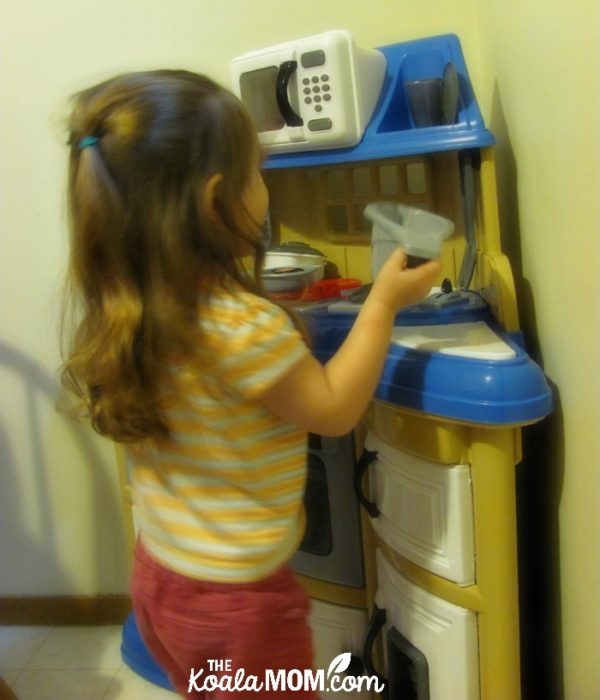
column 259, row 345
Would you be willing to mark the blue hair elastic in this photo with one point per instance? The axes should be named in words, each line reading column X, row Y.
column 88, row 141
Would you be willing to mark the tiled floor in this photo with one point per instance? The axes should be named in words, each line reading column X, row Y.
column 70, row 663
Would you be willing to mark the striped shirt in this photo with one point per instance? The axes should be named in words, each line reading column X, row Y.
column 222, row 499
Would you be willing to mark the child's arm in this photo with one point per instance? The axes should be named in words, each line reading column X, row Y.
column 330, row 399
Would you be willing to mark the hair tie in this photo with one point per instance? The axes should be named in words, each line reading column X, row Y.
column 88, row 141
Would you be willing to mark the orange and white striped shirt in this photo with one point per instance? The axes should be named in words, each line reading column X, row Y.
column 222, row 500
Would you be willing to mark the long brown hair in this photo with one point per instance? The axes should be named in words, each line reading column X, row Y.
column 144, row 253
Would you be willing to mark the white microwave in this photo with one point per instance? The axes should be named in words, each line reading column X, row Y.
column 314, row 93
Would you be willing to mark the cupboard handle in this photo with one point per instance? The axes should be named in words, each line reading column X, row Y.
column 376, row 623
column 356, row 667
column 366, row 458
column 286, row 70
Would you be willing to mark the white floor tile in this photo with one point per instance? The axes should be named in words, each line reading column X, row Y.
column 19, row 644
column 127, row 685
column 90, row 648
column 9, row 677
column 62, row 685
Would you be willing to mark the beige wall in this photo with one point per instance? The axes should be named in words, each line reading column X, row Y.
column 533, row 68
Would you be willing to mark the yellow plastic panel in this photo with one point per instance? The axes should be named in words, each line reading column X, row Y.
column 497, row 287
column 493, row 481
column 333, row 593
column 358, row 262
column 429, row 438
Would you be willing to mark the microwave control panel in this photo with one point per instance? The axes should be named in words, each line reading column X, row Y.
column 316, row 89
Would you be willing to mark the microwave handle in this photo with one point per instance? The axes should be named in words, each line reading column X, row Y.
column 286, row 70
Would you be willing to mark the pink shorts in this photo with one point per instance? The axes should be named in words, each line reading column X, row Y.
column 219, row 629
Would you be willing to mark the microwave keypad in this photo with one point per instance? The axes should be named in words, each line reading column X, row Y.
column 317, row 90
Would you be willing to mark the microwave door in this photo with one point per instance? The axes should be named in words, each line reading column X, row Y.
column 266, row 94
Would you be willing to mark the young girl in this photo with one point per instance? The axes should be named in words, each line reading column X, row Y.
column 178, row 353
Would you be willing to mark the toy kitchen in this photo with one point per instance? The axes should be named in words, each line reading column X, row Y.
column 410, row 552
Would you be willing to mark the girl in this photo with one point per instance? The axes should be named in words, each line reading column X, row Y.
column 179, row 354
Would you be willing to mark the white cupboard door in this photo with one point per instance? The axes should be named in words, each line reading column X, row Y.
column 425, row 511
column 445, row 634
column 337, row 630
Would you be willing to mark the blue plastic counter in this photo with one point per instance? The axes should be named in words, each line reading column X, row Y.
column 511, row 390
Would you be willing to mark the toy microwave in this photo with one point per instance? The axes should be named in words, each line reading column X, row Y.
column 314, row 93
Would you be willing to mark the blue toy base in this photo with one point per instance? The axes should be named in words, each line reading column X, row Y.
column 135, row 654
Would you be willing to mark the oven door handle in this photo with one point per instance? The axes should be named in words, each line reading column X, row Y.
column 286, row 70
column 366, row 458
column 376, row 624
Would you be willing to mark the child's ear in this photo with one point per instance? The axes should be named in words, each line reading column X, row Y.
column 209, row 198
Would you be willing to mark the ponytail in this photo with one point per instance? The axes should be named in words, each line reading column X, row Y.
column 107, row 364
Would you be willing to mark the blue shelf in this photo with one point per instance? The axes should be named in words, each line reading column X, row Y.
column 391, row 132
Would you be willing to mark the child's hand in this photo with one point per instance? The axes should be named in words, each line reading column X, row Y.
column 397, row 286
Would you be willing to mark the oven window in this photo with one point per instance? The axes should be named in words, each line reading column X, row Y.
column 257, row 89
column 318, row 538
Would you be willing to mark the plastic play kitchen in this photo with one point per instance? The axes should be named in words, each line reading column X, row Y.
column 442, row 436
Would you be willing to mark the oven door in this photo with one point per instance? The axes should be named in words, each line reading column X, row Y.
column 332, row 546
